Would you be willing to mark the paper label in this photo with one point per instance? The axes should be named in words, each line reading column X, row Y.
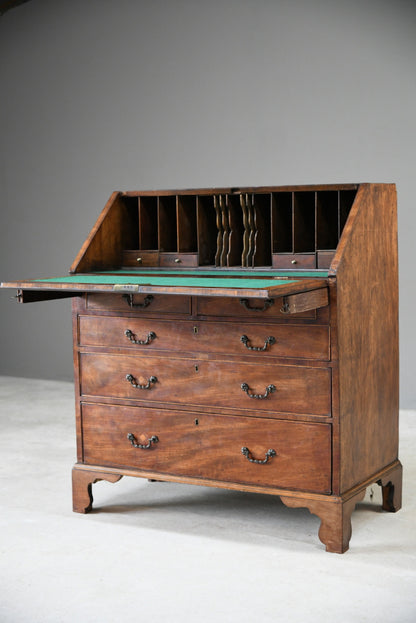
column 125, row 287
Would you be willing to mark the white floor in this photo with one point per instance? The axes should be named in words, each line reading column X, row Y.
column 178, row 553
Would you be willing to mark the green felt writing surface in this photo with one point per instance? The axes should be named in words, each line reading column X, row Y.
column 208, row 282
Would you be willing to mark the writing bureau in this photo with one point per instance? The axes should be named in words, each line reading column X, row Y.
column 239, row 338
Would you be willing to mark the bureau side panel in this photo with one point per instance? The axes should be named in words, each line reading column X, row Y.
column 110, row 234
column 367, row 313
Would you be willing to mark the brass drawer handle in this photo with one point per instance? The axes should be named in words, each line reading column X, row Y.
column 130, row 378
column 132, row 439
column 269, row 455
column 269, row 341
column 267, row 303
column 129, row 299
column 130, row 336
column 269, row 390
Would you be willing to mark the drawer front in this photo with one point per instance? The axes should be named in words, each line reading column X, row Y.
column 179, row 259
column 294, row 260
column 140, row 258
column 257, row 309
column 210, row 447
column 142, row 303
column 257, row 388
column 245, row 339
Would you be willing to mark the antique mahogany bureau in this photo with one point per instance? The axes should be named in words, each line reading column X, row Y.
column 244, row 338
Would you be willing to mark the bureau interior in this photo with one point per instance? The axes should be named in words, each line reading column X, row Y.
column 279, row 229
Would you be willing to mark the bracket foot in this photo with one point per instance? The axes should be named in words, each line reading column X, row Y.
column 82, row 481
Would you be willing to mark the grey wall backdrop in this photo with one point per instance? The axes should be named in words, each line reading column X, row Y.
column 118, row 94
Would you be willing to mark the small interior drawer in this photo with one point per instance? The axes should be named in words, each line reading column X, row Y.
column 324, row 258
column 270, row 453
column 294, row 260
column 140, row 258
column 179, row 260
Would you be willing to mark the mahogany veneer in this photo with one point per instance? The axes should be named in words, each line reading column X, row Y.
column 240, row 338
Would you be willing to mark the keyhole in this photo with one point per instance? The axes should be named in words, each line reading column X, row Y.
column 196, row 421
column 196, row 369
column 195, row 330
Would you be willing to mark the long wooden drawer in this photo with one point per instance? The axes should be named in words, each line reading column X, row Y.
column 144, row 334
column 140, row 303
column 257, row 388
column 295, row 455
